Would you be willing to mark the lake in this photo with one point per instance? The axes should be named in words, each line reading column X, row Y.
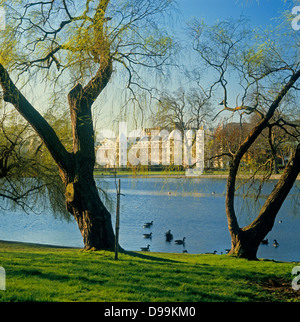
column 192, row 208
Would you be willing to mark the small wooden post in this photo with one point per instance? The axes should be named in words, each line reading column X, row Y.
column 117, row 220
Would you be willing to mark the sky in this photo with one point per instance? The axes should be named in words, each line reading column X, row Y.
column 261, row 12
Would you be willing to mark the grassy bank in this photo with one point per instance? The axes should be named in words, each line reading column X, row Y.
column 39, row 273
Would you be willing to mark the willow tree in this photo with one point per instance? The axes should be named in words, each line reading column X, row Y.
column 266, row 77
column 75, row 47
column 28, row 174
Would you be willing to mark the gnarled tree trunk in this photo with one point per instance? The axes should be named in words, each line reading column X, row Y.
column 76, row 167
column 82, row 198
column 93, row 219
column 245, row 241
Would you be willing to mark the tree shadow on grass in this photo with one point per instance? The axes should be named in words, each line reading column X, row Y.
column 149, row 257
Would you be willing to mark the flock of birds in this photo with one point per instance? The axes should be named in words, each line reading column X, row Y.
column 168, row 235
column 169, row 238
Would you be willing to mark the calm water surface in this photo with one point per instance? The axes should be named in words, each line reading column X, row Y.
column 191, row 208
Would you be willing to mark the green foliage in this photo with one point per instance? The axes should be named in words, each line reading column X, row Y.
column 28, row 174
column 76, row 38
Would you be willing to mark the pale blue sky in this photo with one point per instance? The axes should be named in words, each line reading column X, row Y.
column 260, row 12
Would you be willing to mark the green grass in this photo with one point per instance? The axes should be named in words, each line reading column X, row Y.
column 38, row 273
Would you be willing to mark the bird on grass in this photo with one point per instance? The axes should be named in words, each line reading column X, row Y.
column 214, row 253
column 148, row 224
column 145, row 249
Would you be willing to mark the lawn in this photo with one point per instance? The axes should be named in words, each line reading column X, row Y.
column 39, row 273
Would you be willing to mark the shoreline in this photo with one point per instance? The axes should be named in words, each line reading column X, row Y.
column 182, row 176
column 45, row 246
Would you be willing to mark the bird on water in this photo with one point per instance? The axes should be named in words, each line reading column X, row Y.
column 180, row 241
column 148, row 224
column 145, row 249
column 169, row 236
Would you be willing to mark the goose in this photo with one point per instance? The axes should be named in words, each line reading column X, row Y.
column 265, row 242
column 147, row 235
column 214, row 253
column 275, row 243
column 169, row 236
column 148, row 224
column 145, row 249
column 179, row 241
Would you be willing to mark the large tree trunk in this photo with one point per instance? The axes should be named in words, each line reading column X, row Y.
column 93, row 219
column 76, row 168
column 82, row 198
column 245, row 241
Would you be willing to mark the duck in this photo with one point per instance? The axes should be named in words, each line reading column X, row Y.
column 280, row 221
column 275, row 243
column 148, row 235
column 145, row 249
column 265, row 242
column 180, row 241
column 148, row 224
column 169, row 236
column 185, row 251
